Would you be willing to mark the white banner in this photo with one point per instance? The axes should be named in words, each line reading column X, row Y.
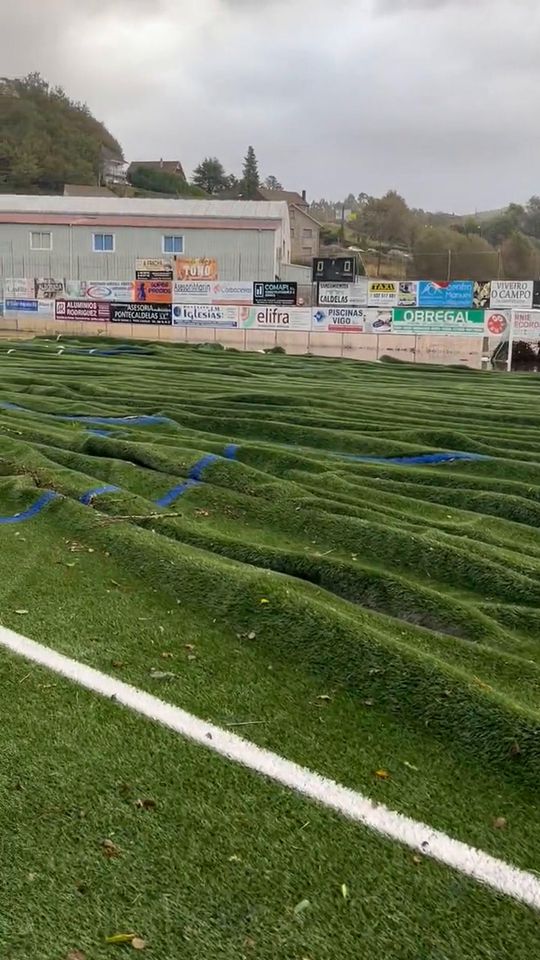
column 238, row 292
column 19, row 289
column 204, row 315
column 275, row 318
column 47, row 288
column 342, row 294
column 526, row 325
column 511, row 293
column 383, row 293
column 497, row 323
column 112, row 290
column 340, row 319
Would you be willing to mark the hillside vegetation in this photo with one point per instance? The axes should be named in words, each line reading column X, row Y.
column 46, row 139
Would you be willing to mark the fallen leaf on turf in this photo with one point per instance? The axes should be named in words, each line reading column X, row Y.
column 70, row 564
column 119, row 938
column 146, row 804
column 110, row 849
column 325, row 697
column 252, row 635
column 382, row 774
column 159, row 675
column 189, row 647
column 410, row 766
column 417, row 861
column 264, row 601
column 515, row 750
column 500, row 823
column 117, row 664
column 234, row 859
column 301, row 907
column 138, row 944
column 21, row 612
column 167, row 656
column 344, row 891
column 76, row 955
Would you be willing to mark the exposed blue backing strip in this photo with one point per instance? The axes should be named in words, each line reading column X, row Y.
column 420, row 460
column 145, row 420
column 176, row 492
column 98, row 492
column 37, row 507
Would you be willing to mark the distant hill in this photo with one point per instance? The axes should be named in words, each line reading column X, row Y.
column 47, row 140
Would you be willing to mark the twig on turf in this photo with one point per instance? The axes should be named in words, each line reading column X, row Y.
column 144, row 516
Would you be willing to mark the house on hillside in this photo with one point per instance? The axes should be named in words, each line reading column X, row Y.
column 113, row 168
column 305, row 229
column 160, row 166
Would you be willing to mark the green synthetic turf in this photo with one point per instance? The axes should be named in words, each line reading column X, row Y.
column 401, row 628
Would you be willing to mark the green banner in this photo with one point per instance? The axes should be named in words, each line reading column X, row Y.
column 464, row 323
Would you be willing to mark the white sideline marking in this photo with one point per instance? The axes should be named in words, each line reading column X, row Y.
column 474, row 863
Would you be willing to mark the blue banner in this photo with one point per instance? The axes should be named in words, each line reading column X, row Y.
column 22, row 306
column 455, row 293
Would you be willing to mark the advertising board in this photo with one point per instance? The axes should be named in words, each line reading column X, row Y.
column 204, row 315
column 383, row 293
column 158, row 314
column 511, row 293
column 82, row 310
column 195, row 268
column 275, row 318
column 456, row 322
column 454, row 293
column 157, row 269
column 276, row 291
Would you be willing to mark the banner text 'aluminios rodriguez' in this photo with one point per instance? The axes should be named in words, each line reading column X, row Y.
column 455, row 293
column 157, row 314
column 465, row 323
column 83, row 310
column 275, row 318
column 204, row 315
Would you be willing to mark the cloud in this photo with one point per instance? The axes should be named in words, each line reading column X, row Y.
column 353, row 95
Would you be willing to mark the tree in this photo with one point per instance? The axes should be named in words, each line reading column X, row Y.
column 518, row 257
column 210, row 176
column 272, row 183
column 250, row 175
column 386, row 220
column 503, row 225
column 531, row 221
column 159, row 181
column 444, row 254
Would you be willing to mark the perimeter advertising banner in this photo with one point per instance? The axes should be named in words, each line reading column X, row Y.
column 275, row 318
column 204, row 315
column 152, row 291
column 158, row 314
column 82, row 310
column 153, row 270
column 49, row 289
column 121, row 290
column 481, row 294
column 43, row 308
column 275, row 292
column 19, row 289
column 497, row 323
column 526, row 325
column 342, row 294
column 340, row 319
column 195, row 268
column 464, row 323
column 383, row 293
column 455, row 293
column 511, row 293
column 237, row 292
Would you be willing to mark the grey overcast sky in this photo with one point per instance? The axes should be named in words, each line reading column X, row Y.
column 435, row 98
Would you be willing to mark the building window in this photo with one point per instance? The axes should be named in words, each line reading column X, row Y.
column 307, row 250
column 103, row 243
column 173, row 244
column 307, row 233
column 40, row 241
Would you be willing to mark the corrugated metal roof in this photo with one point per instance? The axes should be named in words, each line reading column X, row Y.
column 131, row 206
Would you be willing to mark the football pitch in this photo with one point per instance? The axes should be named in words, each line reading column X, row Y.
column 283, row 699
